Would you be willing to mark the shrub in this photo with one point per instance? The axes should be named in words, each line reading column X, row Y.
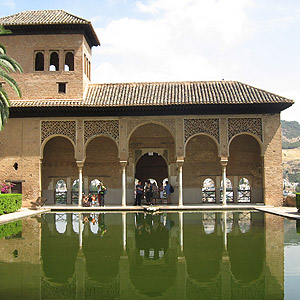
column 298, row 201
column 10, row 203
column 10, row 229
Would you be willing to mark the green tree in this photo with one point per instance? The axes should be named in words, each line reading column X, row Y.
column 7, row 64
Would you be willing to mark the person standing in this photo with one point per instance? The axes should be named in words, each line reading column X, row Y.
column 154, row 192
column 161, row 192
column 168, row 192
column 148, row 192
column 101, row 192
column 139, row 193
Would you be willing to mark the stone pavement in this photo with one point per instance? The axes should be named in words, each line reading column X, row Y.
column 283, row 211
column 21, row 213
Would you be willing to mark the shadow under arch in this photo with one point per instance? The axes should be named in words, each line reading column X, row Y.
column 202, row 134
column 154, row 166
column 245, row 160
column 90, row 139
column 201, row 161
column 49, row 138
column 58, row 162
column 149, row 123
column 102, row 162
column 260, row 143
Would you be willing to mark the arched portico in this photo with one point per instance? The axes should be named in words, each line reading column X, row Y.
column 102, row 162
column 245, row 161
column 58, row 163
column 151, row 151
column 201, row 162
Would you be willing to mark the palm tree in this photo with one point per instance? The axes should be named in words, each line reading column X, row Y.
column 7, row 64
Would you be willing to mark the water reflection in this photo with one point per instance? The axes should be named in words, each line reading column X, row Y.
column 229, row 255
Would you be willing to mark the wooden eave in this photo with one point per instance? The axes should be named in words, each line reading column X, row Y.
column 191, row 109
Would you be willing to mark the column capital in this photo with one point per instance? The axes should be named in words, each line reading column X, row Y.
column 79, row 163
column 180, row 161
column 123, row 163
column 223, row 161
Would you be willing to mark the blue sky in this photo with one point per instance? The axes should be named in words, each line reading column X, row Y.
column 253, row 41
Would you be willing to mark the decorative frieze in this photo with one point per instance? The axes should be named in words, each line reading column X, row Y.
column 101, row 127
column 240, row 125
column 66, row 128
column 196, row 126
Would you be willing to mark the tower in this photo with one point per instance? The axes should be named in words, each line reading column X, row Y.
column 54, row 49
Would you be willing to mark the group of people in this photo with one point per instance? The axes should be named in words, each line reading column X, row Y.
column 152, row 193
column 91, row 199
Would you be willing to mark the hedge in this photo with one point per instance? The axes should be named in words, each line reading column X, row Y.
column 10, row 229
column 10, row 203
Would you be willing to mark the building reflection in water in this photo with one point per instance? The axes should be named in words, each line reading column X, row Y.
column 229, row 255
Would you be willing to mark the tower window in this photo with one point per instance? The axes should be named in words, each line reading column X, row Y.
column 39, row 61
column 54, row 62
column 69, row 61
column 62, row 87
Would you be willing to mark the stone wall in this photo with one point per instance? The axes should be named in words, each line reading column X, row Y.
column 63, row 143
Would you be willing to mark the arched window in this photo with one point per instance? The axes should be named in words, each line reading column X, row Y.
column 244, row 191
column 39, row 61
column 229, row 191
column 75, row 191
column 208, row 191
column 94, row 186
column 69, row 61
column 60, row 192
column 54, row 62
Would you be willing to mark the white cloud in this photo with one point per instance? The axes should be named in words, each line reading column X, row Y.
column 175, row 42
column 8, row 3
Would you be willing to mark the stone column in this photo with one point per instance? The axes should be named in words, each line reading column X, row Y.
column 217, row 188
column 69, row 191
column 235, row 189
column 80, row 166
column 124, row 231
column 224, row 161
column 40, row 178
column 123, row 164
column 180, row 190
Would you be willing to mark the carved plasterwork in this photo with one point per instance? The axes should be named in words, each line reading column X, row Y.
column 66, row 128
column 239, row 125
column 196, row 126
column 101, row 127
column 168, row 123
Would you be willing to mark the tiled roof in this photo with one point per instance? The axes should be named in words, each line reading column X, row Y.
column 177, row 93
column 163, row 94
column 42, row 17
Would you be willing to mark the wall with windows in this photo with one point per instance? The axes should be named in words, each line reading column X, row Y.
column 55, row 66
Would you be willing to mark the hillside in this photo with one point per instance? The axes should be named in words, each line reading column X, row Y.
column 290, row 134
column 291, row 151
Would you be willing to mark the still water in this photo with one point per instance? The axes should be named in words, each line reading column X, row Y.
column 240, row 255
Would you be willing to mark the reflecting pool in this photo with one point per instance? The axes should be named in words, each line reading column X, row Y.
column 228, row 255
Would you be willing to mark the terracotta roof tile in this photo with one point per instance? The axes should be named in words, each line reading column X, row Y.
column 177, row 93
column 39, row 17
column 163, row 94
